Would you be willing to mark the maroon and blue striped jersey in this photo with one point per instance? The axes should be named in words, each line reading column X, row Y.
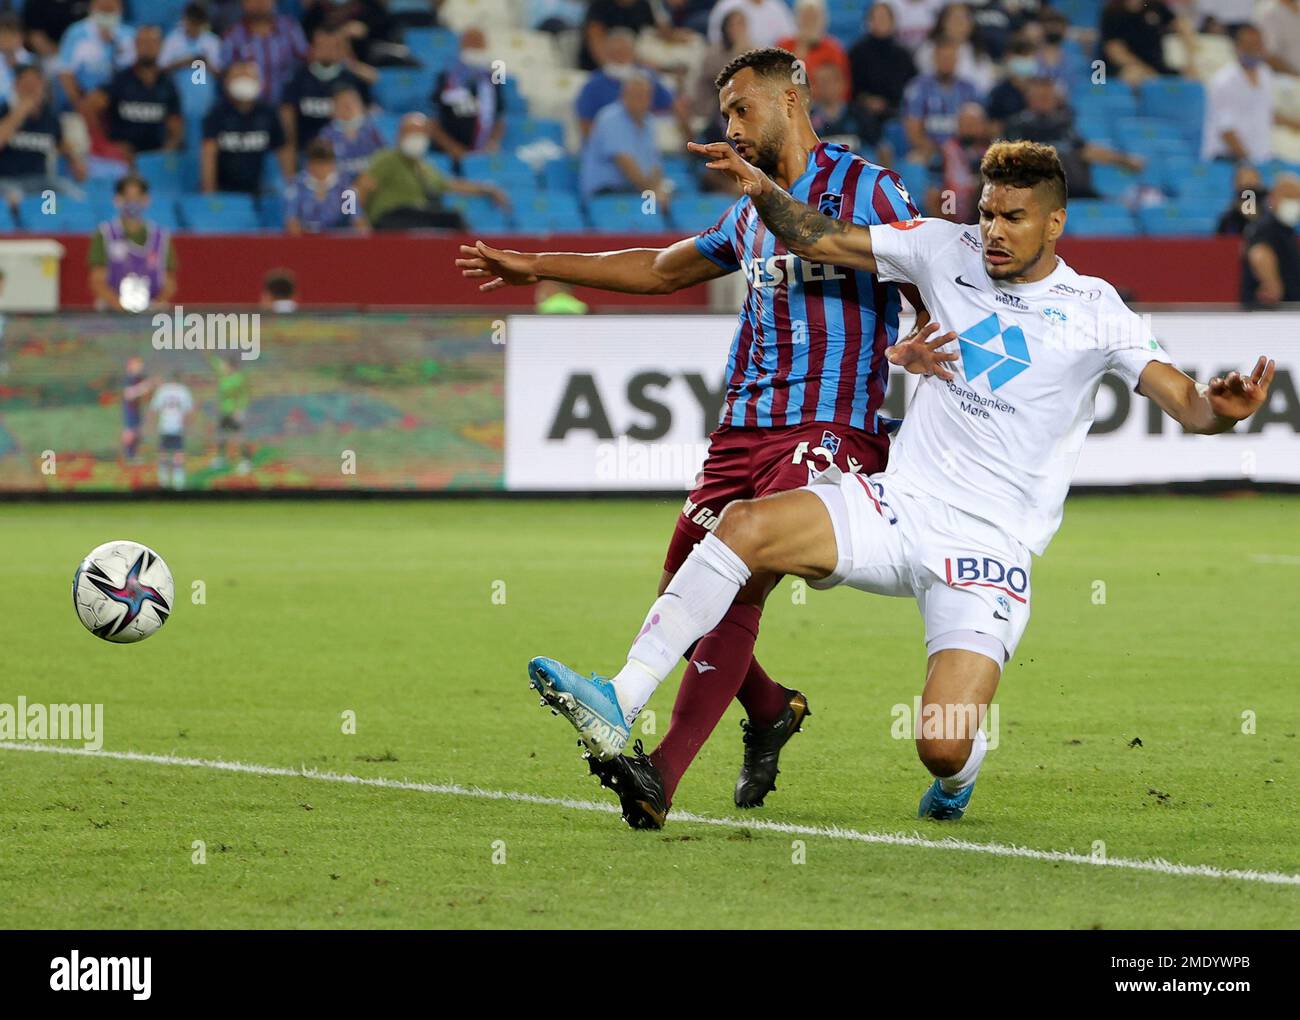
column 811, row 338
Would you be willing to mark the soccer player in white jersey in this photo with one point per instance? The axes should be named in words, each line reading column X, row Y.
column 978, row 475
column 172, row 402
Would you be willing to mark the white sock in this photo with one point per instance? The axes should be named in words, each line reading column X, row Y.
column 694, row 602
column 178, row 478
column 955, row 784
column 164, row 476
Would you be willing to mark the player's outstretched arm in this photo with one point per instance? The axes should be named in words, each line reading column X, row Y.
column 632, row 271
column 1207, row 408
column 805, row 231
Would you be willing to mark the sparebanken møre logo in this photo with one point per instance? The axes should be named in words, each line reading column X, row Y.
column 989, row 347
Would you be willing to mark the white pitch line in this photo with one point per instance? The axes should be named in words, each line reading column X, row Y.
column 1276, row 559
column 1157, row 865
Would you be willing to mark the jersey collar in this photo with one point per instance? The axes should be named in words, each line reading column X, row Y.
column 820, row 156
column 1057, row 275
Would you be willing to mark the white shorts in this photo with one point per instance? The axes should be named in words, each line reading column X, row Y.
column 965, row 574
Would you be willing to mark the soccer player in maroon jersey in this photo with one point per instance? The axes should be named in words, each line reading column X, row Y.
column 806, row 376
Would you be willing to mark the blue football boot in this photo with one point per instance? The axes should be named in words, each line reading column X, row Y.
column 588, row 702
column 943, row 806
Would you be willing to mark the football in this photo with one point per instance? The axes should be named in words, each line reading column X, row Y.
column 122, row 591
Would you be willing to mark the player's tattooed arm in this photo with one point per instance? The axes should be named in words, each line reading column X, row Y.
column 807, row 232
column 1207, row 408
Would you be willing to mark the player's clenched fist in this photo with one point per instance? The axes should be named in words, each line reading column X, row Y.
column 722, row 157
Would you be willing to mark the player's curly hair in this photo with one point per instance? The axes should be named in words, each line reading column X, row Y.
column 1026, row 165
column 767, row 62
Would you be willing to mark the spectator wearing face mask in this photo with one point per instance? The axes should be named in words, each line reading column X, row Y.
column 352, row 133
column 274, row 42
column 1270, row 271
column 1239, row 109
column 132, row 261
column 307, row 103
column 469, row 107
column 140, row 107
column 91, row 50
column 192, row 39
column 239, row 133
column 1010, row 96
column 401, row 190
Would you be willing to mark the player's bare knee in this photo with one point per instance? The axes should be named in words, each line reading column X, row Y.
column 943, row 757
column 743, row 529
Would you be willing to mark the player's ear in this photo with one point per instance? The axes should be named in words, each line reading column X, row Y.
column 1055, row 224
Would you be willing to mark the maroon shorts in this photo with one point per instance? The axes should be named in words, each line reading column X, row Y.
column 745, row 463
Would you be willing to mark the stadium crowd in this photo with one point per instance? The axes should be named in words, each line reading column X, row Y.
column 543, row 115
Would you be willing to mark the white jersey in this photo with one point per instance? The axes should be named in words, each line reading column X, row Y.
column 173, row 402
column 1001, row 439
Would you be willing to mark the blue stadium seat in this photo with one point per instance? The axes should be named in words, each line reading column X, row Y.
column 164, row 13
column 1083, row 13
column 1194, row 177
column 561, row 174
column 522, row 129
column 1180, row 219
column 622, row 214
column 481, row 214
column 503, row 168
column 165, row 171
column 270, row 209
column 65, row 215
column 1175, row 101
column 1115, row 99
column 511, row 96
column 435, row 48
column 99, row 190
column 402, row 89
column 387, row 123
column 1274, row 167
column 547, row 212
column 196, row 99
column 693, row 213
column 684, row 173
column 442, row 162
column 1094, row 217
column 916, row 178
column 220, row 213
column 1112, row 180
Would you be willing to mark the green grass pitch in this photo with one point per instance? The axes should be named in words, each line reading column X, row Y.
column 419, row 618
